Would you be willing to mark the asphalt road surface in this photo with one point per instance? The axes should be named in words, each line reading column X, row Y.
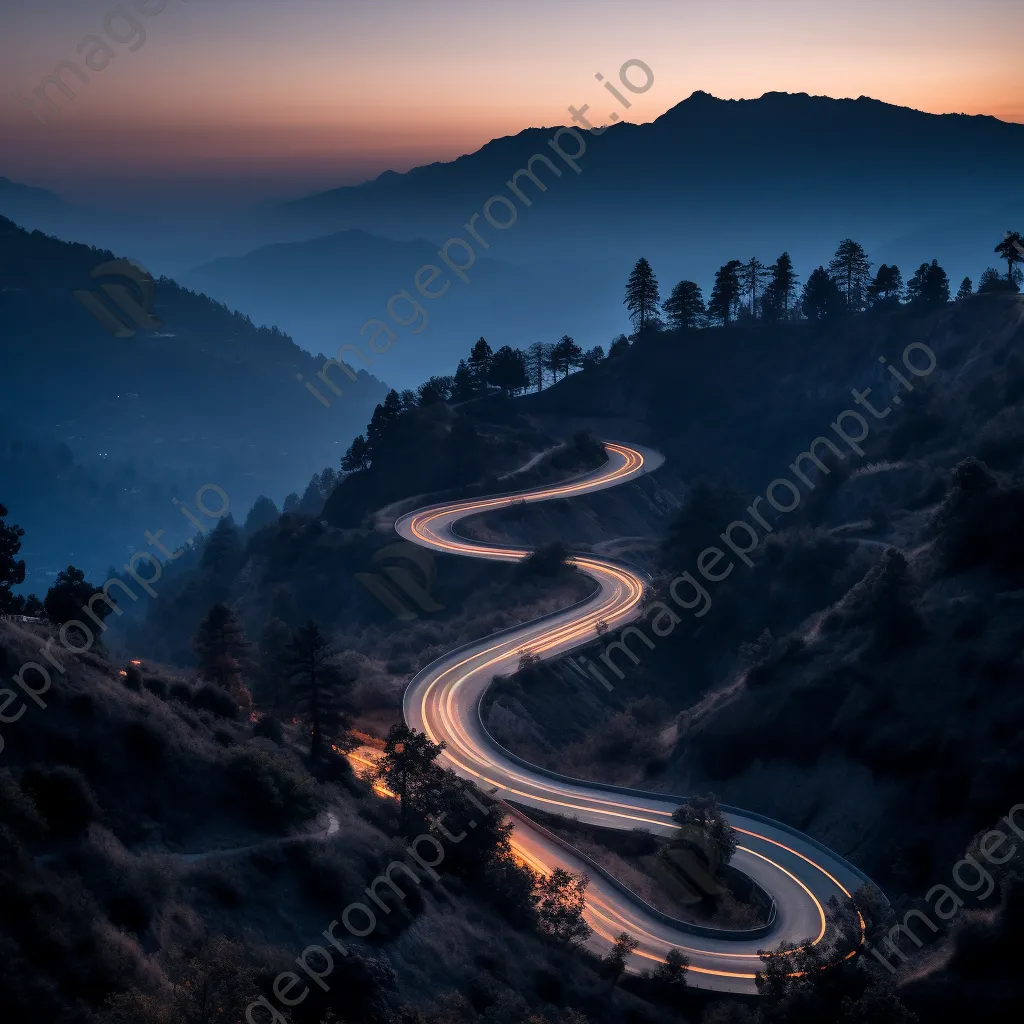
column 443, row 701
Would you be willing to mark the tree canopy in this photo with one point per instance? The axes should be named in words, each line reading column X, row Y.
column 319, row 689
column 849, row 268
column 222, row 648
column 69, row 595
column 561, row 900
column 821, row 297
column 508, row 370
column 725, row 295
column 642, row 297
column 1011, row 248
column 929, row 287
column 12, row 569
column 685, row 306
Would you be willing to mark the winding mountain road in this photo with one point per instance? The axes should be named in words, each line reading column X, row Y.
column 443, row 701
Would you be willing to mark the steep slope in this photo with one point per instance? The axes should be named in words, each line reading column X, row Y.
column 163, row 860
column 200, row 396
column 860, row 677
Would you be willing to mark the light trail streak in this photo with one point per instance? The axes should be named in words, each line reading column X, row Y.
column 445, row 703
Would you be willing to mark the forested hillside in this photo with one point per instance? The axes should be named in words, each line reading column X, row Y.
column 200, row 396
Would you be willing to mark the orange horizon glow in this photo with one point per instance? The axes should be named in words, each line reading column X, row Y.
column 320, row 94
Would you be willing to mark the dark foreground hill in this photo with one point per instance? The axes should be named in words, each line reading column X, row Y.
column 163, row 861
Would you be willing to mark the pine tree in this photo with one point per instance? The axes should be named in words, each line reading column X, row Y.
column 592, row 357
column 311, row 503
column 329, row 479
column 619, row 345
column 726, row 292
column 849, row 269
column 991, row 281
column 12, row 569
column 779, row 295
column 223, row 553
column 564, row 356
column 358, row 455
column 222, row 648
column 508, row 370
column 383, row 429
column 408, row 769
column 685, row 306
column 480, row 364
column 319, row 689
column 273, row 672
column 966, row 288
column 537, row 358
column 642, row 297
column 753, row 275
column 463, row 384
column 821, row 297
column 887, row 285
column 1011, row 248
column 929, row 287
column 263, row 513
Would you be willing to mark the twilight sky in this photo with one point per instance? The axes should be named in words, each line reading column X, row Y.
column 235, row 101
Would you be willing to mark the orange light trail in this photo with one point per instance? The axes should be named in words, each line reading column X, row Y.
column 442, row 717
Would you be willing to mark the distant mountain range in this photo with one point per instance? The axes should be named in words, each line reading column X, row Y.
column 205, row 397
column 708, row 181
column 325, row 289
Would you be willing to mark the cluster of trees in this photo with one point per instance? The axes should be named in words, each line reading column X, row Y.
column 703, row 824
column 63, row 602
column 299, row 669
column 434, row 798
column 821, row 982
column 742, row 291
column 12, row 570
column 509, row 371
column 752, row 291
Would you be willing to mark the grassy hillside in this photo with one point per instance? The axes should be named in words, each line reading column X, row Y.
column 163, row 862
